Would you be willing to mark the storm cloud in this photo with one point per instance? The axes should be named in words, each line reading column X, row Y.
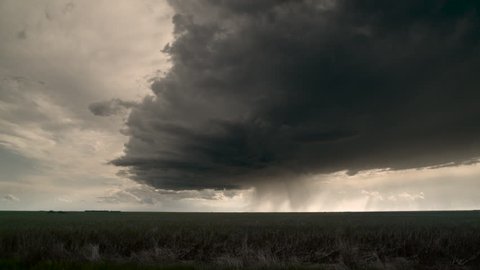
column 266, row 90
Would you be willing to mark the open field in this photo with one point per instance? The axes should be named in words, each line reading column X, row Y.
column 114, row 240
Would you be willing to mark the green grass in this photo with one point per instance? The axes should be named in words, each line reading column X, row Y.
column 109, row 240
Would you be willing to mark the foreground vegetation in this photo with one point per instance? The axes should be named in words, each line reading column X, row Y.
column 107, row 240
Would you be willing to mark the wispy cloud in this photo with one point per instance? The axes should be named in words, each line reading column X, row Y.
column 10, row 198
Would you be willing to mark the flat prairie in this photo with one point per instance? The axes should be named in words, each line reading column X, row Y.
column 157, row 240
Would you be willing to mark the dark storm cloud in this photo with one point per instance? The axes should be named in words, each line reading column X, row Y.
column 260, row 89
column 111, row 107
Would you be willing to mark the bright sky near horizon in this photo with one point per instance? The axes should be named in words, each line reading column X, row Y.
column 98, row 112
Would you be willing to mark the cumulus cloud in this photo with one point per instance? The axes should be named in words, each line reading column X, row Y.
column 268, row 88
column 147, row 195
column 111, row 107
column 403, row 196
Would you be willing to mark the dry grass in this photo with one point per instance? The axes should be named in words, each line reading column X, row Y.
column 429, row 240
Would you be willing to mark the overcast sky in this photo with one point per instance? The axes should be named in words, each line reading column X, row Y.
column 239, row 105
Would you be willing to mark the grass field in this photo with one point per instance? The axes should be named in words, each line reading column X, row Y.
column 114, row 240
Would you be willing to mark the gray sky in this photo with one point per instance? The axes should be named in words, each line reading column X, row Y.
column 250, row 107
